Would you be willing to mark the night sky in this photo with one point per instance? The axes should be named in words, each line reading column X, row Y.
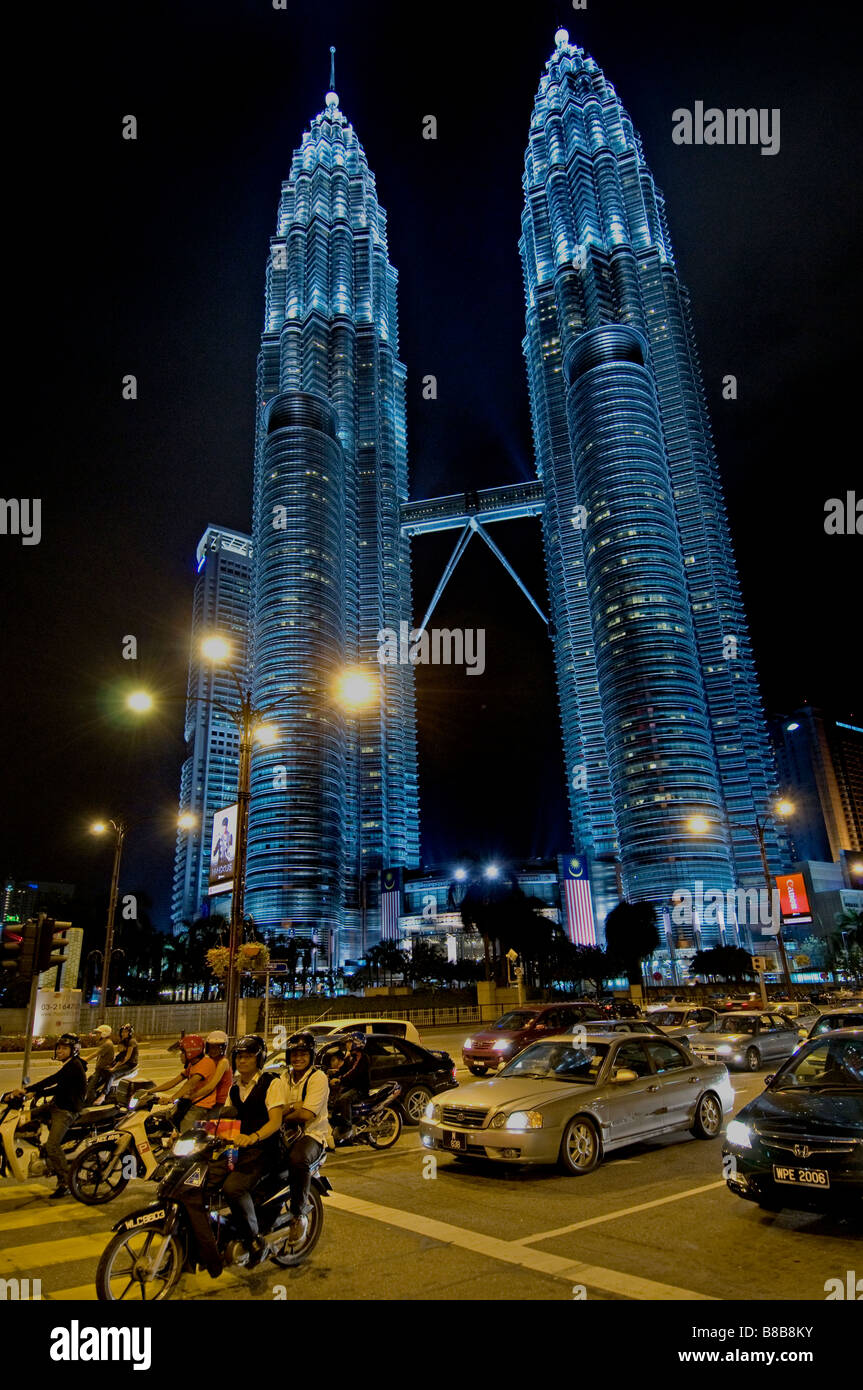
column 148, row 257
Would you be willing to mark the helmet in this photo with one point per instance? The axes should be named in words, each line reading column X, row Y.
column 358, row 1040
column 250, row 1042
column 306, row 1041
column 71, row 1040
column 218, row 1039
column 192, row 1046
column 105, row 1029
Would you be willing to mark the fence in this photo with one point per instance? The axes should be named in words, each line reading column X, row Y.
column 159, row 1020
column 429, row 1018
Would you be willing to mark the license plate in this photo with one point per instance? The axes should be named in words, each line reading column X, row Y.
column 147, row 1219
column 451, row 1140
column 801, row 1177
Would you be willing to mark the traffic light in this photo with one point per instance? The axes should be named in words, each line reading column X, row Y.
column 19, row 949
column 53, row 943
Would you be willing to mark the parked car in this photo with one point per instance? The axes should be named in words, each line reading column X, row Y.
column 394, row 1027
column 612, row 1007
column 749, row 1040
column 681, row 1021
column 487, row 1048
column 849, row 1016
column 419, row 1071
column 668, row 1001
column 801, row 1012
column 627, row 1025
column 571, row 1102
column 800, row 1143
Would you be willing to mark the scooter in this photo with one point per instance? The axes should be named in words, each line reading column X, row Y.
column 134, row 1148
column 152, row 1247
column 23, row 1134
column 375, row 1121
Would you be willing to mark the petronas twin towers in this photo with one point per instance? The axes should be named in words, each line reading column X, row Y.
column 658, row 698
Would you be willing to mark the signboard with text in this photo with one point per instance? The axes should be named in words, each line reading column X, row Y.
column 793, row 899
column 221, row 877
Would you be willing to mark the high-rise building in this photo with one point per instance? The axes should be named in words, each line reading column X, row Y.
column 659, row 701
column 335, row 799
column 820, row 762
column 208, row 780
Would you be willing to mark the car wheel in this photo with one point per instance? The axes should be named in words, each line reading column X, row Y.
column 753, row 1058
column 414, row 1103
column 708, row 1117
column 580, row 1147
column 476, row 1070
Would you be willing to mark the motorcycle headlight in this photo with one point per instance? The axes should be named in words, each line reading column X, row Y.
column 187, row 1145
column 503, row 1046
column 524, row 1119
column 432, row 1112
column 739, row 1134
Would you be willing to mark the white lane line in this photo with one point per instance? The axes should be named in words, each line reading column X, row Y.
column 616, row 1215
column 511, row 1252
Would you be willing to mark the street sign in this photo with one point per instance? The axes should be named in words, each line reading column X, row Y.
column 275, row 967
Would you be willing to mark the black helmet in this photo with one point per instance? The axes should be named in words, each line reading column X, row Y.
column 306, row 1041
column 250, row 1042
column 127, row 1028
column 71, row 1040
column 358, row 1040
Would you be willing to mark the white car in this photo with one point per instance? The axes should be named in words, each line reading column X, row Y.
column 395, row 1027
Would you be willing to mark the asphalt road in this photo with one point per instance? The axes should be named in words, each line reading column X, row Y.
column 654, row 1222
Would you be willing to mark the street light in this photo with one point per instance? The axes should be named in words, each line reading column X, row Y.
column 100, row 827
column 698, row 825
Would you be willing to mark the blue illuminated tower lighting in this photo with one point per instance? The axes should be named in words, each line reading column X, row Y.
column 660, row 708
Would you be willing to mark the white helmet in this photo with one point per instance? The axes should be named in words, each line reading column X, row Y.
column 217, row 1039
column 104, row 1029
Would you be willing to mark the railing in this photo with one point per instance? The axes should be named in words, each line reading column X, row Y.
column 158, row 1020
column 429, row 1018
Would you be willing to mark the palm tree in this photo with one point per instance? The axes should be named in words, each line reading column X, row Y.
column 722, row 962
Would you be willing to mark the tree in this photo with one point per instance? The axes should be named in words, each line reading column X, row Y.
column 722, row 963
column 389, row 957
column 631, row 936
column 593, row 964
column 427, row 962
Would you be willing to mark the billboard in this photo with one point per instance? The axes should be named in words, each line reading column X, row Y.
column 793, row 902
column 221, row 878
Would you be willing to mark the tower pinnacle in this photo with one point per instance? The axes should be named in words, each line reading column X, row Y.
column 331, row 97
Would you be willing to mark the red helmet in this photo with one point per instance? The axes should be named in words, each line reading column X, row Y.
column 192, row 1046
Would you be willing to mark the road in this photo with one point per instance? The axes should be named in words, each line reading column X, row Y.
column 654, row 1222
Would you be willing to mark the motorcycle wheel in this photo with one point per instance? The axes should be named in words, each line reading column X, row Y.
column 96, row 1176
column 290, row 1255
column 122, row 1268
column 385, row 1129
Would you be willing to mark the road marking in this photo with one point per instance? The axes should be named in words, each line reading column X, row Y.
column 191, row 1286
column 23, row 1259
column 47, row 1216
column 616, row 1215
column 511, row 1252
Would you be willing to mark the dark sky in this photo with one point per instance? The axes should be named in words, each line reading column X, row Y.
column 148, row 258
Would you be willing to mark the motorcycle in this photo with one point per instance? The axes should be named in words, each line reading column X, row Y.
column 134, row 1148
column 23, row 1134
column 375, row 1121
column 153, row 1246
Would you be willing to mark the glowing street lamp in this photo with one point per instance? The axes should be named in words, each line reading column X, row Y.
column 140, row 701
column 355, row 689
column 100, row 827
column 187, row 821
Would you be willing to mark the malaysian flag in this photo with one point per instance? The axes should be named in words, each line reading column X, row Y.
column 391, row 903
column 579, row 908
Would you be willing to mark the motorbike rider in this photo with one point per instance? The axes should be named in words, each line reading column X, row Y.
column 66, row 1088
column 352, row 1084
column 198, row 1069
column 255, row 1099
column 103, row 1056
column 126, row 1060
column 304, row 1093
column 219, row 1084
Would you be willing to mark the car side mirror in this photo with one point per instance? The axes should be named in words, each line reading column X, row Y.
column 624, row 1074
column 769, row 1078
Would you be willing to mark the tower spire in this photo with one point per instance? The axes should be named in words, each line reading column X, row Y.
column 332, row 69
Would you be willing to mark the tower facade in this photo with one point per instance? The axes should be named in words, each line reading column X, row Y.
column 335, row 798
column 208, row 779
column 659, row 702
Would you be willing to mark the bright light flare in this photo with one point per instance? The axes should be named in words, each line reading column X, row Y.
column 266, row 735
column 140, row 701
column 98, row 827
column 187, row 821
column 698, row 825
column 355, row 689
column 216, row 649
column 492, row 871
column 784, row 808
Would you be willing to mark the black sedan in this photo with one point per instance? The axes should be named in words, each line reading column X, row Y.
column 420, row 1072
column 800, row 1143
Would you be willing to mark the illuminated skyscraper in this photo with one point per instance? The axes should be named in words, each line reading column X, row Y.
column 659, row 701
column 335, row 799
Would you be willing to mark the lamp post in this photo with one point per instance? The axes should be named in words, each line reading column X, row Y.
column 100, row 828
column 697, row 825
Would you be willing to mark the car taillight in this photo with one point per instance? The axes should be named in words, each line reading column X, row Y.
column 452, row 1072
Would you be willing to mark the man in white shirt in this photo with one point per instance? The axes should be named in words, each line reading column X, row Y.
column 304, row 1094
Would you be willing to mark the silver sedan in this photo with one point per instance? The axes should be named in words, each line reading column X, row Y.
column 570, row 1100
column 747, row 1039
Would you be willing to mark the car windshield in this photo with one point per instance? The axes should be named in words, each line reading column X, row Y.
column 831, row 1021
column 519, row 1018
column 559, row 1060
column 733, row 1023
column 836, row 1064
column 668, row 1018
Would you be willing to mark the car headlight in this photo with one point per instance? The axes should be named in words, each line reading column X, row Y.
column 432, row 1112
column 724, row 1049
column 502, row 1046
column 739, row 1134
column 524, row 1119
column 468, row 1042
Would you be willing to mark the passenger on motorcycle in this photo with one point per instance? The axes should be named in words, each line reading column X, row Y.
column 255, row 1099
column 103, row 1058
column 66, row 1088
column 219, row 1084
column 197, row 1071
column 304, row 1092
column 127, row 1058
column 352, row 1084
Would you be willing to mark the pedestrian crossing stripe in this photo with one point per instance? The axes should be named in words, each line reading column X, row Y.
column 49, row 1216
column 32, row 1259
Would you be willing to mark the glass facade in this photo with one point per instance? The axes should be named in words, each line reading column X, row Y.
column 332, row 567
column 659, row 702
